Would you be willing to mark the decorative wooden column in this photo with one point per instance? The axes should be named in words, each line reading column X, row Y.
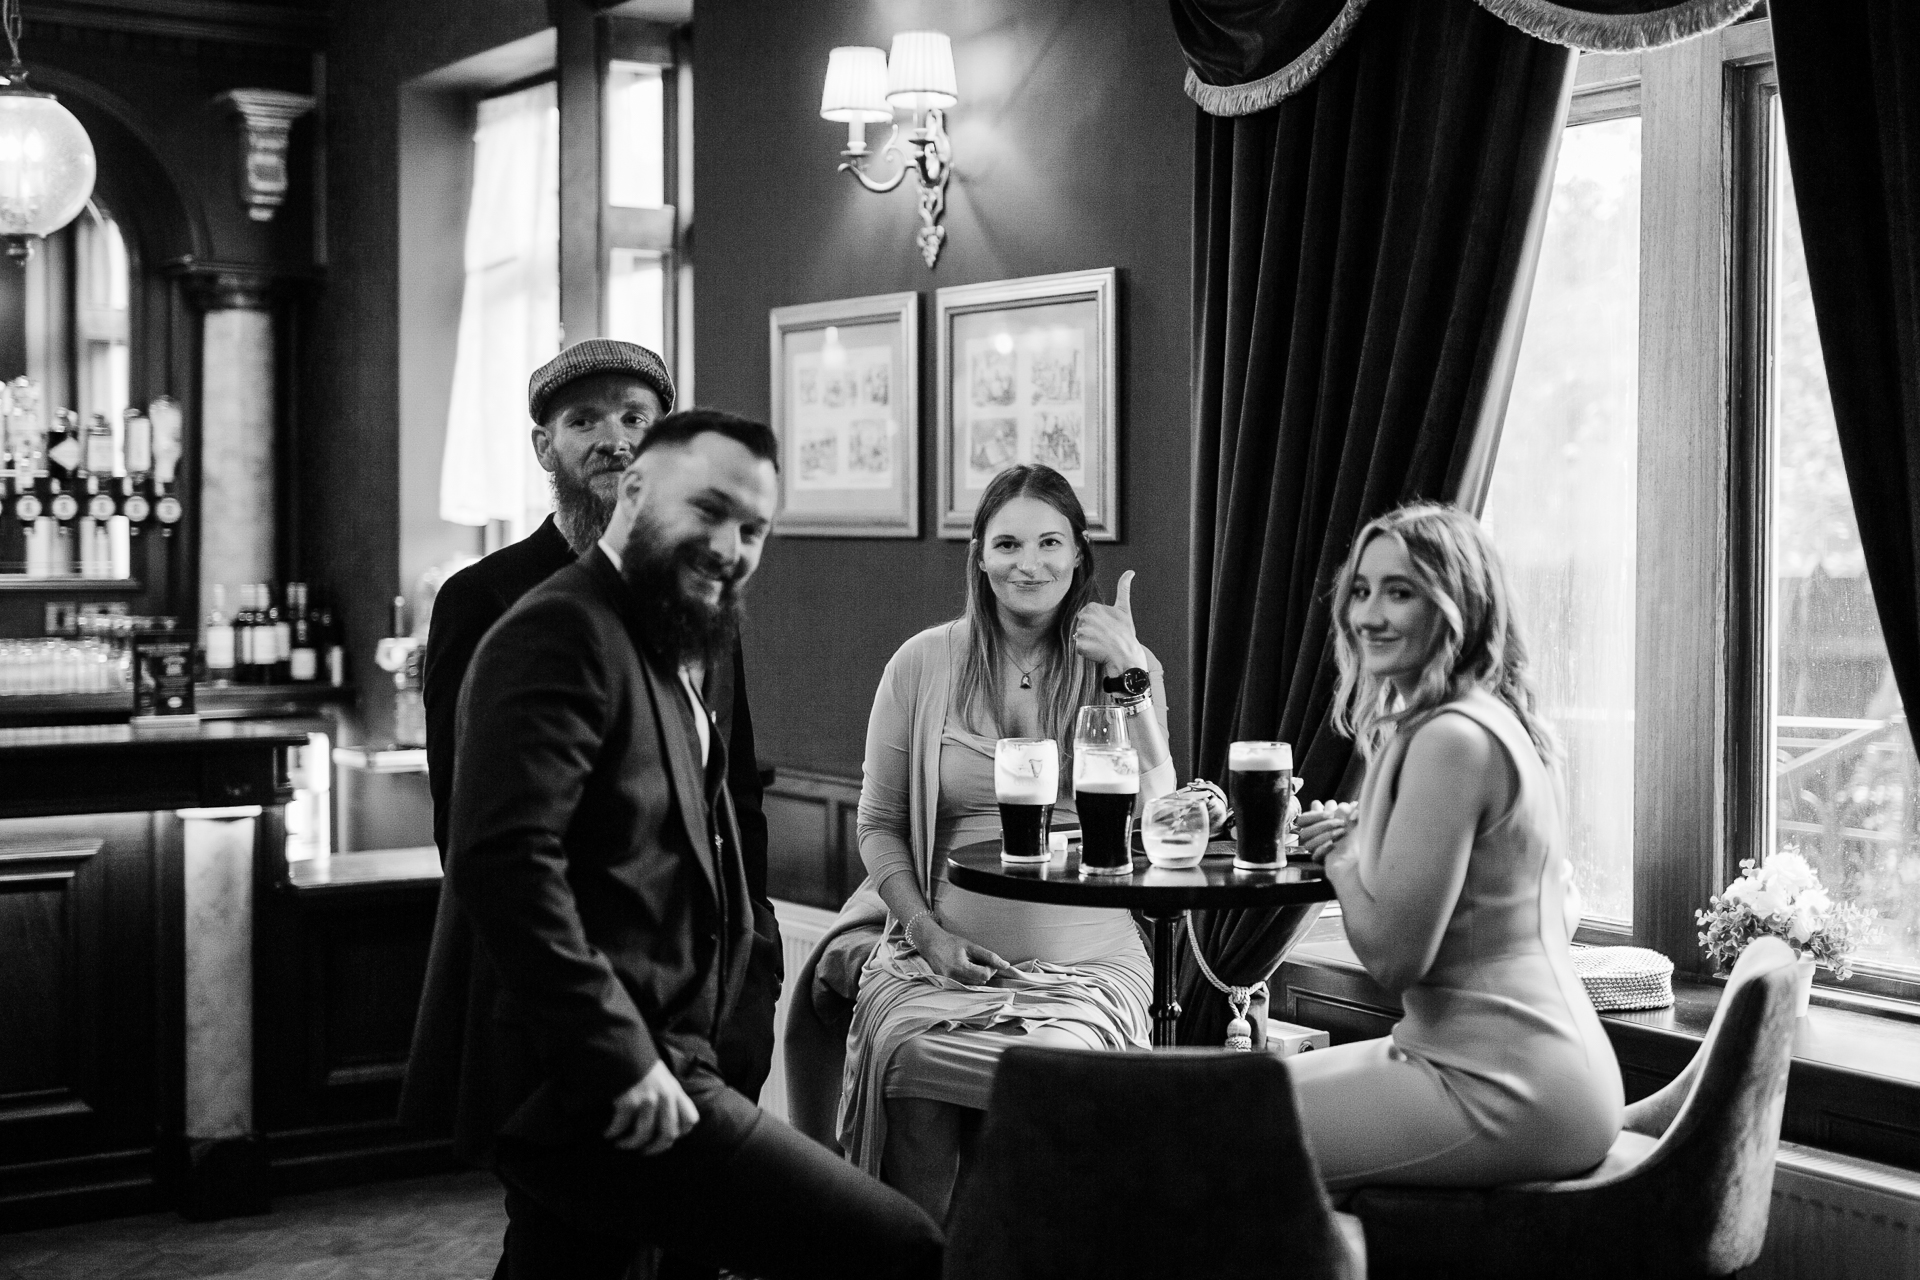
column 225, row 1162
column 238, row 464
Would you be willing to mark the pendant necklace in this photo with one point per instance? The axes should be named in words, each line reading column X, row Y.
column 1026, row 673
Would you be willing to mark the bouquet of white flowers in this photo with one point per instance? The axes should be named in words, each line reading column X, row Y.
column 1783, row 898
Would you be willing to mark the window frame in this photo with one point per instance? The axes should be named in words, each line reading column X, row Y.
column 1702, row 698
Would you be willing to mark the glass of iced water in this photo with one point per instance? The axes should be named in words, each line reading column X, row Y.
column 1174, row 830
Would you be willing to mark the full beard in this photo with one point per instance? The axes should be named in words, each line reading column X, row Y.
column 580, row 513
column 685, row 628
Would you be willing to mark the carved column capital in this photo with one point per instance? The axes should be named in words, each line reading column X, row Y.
column 229, row 286
column 266, row 116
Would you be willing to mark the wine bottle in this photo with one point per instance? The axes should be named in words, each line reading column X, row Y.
column 334, row 651
column 303, row 662
column 250, row 636
column 282, row 640
column 220, row 653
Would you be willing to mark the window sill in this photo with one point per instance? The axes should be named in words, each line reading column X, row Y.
column 1854, row 1087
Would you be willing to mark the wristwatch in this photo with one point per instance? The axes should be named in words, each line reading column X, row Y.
column 1134, row 682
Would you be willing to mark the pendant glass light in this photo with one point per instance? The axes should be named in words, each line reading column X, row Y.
column 46, row 158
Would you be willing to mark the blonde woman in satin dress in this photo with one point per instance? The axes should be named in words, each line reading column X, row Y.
column 958, row 977
column 1450, row 876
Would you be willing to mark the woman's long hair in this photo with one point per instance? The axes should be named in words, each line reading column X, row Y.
column 1063, row 678
column 1477, row 642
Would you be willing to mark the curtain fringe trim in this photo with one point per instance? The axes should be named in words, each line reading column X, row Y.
column 1617, row 33
column 1258, row 95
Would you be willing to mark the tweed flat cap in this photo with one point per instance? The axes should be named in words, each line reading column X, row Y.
column 598, row 355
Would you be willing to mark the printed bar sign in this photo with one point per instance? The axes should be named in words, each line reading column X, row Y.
column 162, row 676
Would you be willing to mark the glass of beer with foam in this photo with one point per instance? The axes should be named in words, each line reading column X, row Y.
column 1026, row 782
column 1106, row 782
column 1260, row 781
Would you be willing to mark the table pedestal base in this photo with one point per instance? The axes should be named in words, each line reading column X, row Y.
column 1164, row 931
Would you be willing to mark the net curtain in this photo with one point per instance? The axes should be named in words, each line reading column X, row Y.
column 509, row 315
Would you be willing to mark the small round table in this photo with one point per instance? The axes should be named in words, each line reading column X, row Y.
column 1160, row 895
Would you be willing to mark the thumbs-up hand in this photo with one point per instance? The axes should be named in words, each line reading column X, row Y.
column 1103, row 633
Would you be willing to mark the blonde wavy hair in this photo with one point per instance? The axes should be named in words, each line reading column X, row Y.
column 1477, row 644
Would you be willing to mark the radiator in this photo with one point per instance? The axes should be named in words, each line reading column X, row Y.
column 1838, row 1218
column 800, row 929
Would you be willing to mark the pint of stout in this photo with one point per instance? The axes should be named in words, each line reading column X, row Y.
column 1026, row 782
column 1105, row 782
column 1260, row 780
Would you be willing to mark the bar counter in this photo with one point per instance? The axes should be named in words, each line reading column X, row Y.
column 116, row 768
column 191, row 1021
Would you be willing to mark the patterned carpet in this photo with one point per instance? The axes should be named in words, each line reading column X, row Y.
column 445, row 1228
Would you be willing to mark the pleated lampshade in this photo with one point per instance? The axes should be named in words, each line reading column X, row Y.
column 856, row 88
column 920, row 71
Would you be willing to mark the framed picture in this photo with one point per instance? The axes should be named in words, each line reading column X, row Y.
column 846, row 406
column 1027, row 374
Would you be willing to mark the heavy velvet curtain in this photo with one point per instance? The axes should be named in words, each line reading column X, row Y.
column 1358, row 252
column 1244, row 56
column 1850, row 94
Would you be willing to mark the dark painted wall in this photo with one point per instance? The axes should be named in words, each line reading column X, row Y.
column 351, row 453
column 1072, row 147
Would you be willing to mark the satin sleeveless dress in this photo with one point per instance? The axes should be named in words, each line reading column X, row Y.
column 1500, row 1071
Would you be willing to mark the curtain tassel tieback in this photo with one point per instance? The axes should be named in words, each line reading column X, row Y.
column 1239, row 999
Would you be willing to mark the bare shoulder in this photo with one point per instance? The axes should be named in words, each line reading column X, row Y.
column 1451, row 743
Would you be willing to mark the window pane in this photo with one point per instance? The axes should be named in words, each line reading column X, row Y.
column 636, row 136
column 637, row 298
column 1561, row 506
column 1844, row 765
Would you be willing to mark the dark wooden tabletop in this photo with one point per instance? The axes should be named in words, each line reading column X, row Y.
column 1213, row 884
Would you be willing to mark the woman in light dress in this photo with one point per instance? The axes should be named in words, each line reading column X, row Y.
column 1450, row 880
column 959, row 976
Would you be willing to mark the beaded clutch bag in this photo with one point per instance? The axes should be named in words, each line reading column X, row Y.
column 1624, row 977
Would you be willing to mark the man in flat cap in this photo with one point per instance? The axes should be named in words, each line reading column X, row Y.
column 590, row 407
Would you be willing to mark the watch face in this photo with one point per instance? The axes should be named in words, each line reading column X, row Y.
column 1130, row 683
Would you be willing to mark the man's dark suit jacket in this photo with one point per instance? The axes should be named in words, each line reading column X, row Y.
column 470, row 603
column 598, row 863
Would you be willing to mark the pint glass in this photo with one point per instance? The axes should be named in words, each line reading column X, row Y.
column 1105, row 782
column 1026, row 782
column 1260, row 781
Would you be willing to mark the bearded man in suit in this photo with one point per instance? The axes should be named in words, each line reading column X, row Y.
column 595, row 848
column 590, row 406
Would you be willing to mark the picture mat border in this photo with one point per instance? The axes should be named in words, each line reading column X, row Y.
column 1100, row 285
column 881, row 308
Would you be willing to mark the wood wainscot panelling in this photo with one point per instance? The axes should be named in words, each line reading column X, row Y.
column 813, row 843
column 77, row 1021
column 340, row 958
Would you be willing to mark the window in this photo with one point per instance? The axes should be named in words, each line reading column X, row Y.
column 1845, row 774
column 1561, row 505
column 645, row 174
column 509, row 314
column 1669, row 498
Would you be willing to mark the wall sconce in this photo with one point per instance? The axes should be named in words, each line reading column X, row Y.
column 865, row 86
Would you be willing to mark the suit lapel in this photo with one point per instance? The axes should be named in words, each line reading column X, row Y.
column 678, row 736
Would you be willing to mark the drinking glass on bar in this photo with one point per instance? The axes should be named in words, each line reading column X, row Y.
column 1260, row 782
column 1106, row 780
column 1174, row 829
column 1026, row 782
